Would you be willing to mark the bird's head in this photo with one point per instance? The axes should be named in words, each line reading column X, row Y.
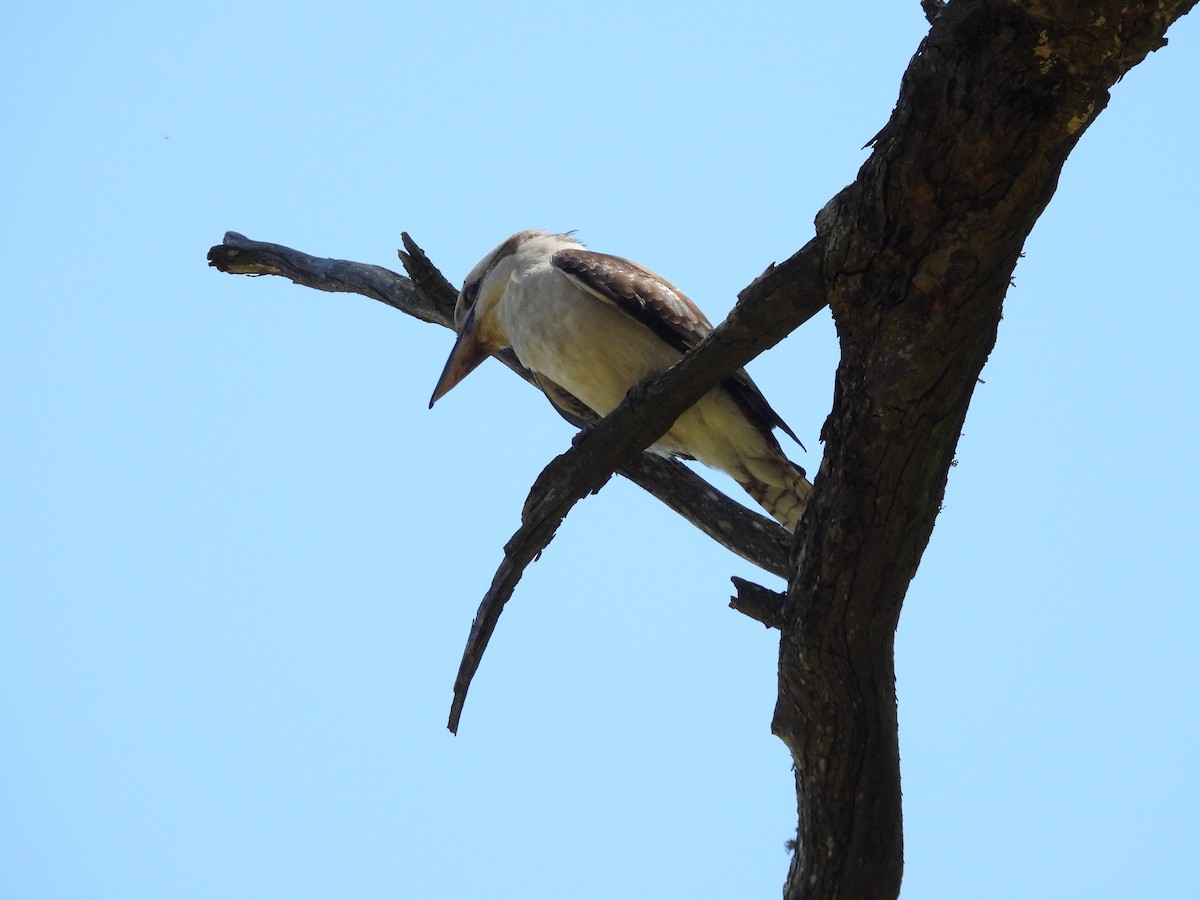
column 476, row 314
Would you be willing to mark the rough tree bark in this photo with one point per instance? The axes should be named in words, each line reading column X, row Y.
column 914, row 259
column 918, row 254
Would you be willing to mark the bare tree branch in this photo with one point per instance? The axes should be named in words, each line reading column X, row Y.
column 759, row 603
column 427, row 278
column 776, row 303
column 768, row 310
column 755, row 538
column 429, row 297
column 238, row 255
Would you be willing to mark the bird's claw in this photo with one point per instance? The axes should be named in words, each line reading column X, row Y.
column 582, row 434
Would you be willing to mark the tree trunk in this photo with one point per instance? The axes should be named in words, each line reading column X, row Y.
column 914, row 259
column 918, row 255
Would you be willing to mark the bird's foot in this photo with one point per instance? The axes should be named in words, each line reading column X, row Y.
column 582, row 433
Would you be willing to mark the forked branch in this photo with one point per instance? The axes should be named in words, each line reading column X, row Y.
column 429, row 297
column 768, row 310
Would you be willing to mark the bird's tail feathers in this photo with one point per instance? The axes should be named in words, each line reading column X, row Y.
column 779, row 487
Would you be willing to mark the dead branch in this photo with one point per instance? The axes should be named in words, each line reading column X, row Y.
column 768, row 310
column 775, row 304
column 427, row 296
column 759, row 603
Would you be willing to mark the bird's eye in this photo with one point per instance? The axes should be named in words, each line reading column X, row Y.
column 469, row 292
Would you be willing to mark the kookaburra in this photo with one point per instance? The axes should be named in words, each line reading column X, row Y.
column 595, row 325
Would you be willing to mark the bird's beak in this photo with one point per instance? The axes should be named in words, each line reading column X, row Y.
column 468, row 353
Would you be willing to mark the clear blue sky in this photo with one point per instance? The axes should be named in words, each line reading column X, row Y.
column 239, row 558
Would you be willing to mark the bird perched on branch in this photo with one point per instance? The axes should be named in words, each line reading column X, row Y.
column 595, row 325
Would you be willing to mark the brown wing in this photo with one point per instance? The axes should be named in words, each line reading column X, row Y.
column 639, row 293
column 664, row 309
